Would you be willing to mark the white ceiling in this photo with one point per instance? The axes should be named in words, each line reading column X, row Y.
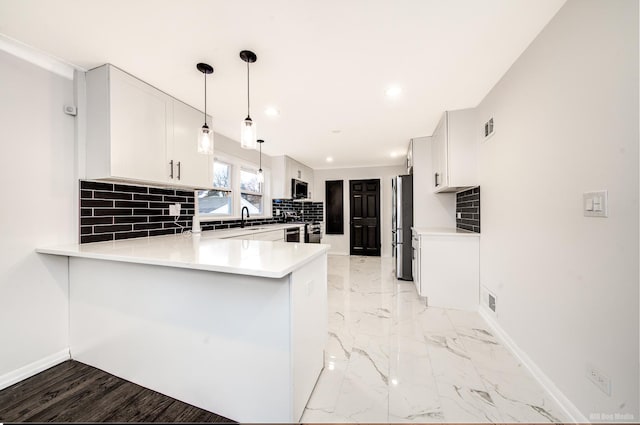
column 324, row 64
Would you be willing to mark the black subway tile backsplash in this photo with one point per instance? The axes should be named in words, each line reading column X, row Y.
column 130, row 189
column 122, row 211
column 85, row 184
column 158, row 191
column 468, row 204
column 112, row 228
column 144, row 197
column 110, row 211
column 131, row 204
column 159, row 232
column 93, row 203
column 85, row 221
column 111, row 195
column 131, row 235
column 96, row 238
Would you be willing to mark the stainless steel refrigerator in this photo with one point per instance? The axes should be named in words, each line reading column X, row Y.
column 402, row 216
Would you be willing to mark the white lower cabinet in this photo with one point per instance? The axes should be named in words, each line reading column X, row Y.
column 446, row 268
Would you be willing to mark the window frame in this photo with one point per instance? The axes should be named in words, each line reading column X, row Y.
column 248, row 192
column 236, row 193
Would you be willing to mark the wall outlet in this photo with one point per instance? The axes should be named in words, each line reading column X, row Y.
column 277, row 211
column 174, row 209
column 459, row 215
column 601, row 380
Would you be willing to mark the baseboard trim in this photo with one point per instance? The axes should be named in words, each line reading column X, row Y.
column 31, row 369
column 570, row 410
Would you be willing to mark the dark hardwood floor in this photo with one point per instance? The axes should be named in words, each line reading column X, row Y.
column 75, row 392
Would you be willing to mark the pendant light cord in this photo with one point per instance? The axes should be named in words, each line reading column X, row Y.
column 205, row 97
column 248, row 93
column 260, row 156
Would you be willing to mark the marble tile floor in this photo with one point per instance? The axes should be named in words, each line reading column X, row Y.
column 389, row 358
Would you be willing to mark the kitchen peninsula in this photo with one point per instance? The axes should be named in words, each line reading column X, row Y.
column 237, row 327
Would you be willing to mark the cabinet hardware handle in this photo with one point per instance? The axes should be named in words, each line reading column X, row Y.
column 178, row 170
column 171, row 164
column 436, row 176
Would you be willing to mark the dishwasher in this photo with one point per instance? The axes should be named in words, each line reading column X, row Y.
column 292, row 234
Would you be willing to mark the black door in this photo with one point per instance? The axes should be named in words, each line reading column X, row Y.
column 365, row 217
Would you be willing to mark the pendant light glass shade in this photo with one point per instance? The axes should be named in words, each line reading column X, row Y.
column 205, row 135
column 248, row 134
column 248, row 127
column 205, row 140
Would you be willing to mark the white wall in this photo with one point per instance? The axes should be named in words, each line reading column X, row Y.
column 566, row 120
column 39, row 208
column 429, row 209
column 224, row 145
column 340, row 243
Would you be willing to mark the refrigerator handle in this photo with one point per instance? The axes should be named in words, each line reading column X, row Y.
column 399, row 270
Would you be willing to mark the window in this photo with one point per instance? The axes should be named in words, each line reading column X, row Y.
column 235, row 185
column 219, row 201
column 250, row 191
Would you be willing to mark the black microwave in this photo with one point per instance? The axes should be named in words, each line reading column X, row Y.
column 299, row 189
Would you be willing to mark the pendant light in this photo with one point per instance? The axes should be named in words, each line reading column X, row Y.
column 260, row 172
column 205, row 135
column 248, row 127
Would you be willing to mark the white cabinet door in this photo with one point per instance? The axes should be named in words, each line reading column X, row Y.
column 449, row 271
column 454, row 152
column 278, row 178
column 439, row 155
column 191, row 168
column 415, row 262
column 139, row 116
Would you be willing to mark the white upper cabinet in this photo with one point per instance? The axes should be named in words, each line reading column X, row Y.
column 410, row 157
column 193, row 169
column 454, row 152
column 283, row 170
column 136, row 132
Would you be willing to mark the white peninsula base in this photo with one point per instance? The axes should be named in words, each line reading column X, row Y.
column 249, row 348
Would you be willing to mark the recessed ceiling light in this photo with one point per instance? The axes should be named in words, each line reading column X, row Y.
column 272, row 111
column 393, row 91
column 329, row 159
column 336, row 131
column 393, row 154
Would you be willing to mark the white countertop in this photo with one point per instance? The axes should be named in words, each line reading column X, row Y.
column 444, row 231
column 201, row 252
column 237, row 231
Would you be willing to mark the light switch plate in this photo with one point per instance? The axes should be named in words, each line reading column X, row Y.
column 595, row 204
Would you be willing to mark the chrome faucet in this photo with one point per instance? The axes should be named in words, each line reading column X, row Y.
column 242, row 216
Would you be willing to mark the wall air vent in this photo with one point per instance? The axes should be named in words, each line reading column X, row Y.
column 488, row 128
column 492, row 302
